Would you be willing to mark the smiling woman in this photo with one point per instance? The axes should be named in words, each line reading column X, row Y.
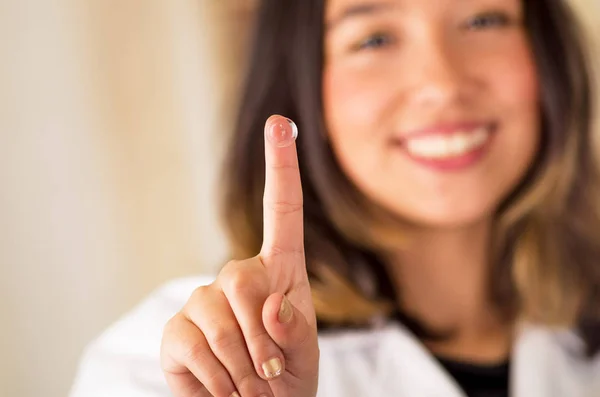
column 434, row 230
column 448, row 87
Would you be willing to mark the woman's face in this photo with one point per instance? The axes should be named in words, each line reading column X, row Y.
column 431, row 105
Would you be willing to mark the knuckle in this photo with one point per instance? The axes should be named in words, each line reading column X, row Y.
column 275, row 250
column 262, row 344
column 260, row 335
column 200, row 294
column 224, row 340
column 170, row 326
column 196, row 351
column 218, row 376
column 193, row 308
column 243, row 280
column 283, row 207
column 283, row 166
column 232, row 264
column 248, row 380
column 172, row 330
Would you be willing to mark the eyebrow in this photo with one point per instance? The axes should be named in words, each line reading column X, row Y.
column 358, row 10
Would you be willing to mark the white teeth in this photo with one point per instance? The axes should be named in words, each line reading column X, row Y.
column 447, row 146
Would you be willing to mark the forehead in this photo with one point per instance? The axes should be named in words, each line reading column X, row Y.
column 339, row 8
column 335, row 6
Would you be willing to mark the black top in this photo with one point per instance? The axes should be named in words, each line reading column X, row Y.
column 479, row 380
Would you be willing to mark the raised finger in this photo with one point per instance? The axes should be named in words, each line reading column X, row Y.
column 282, row 200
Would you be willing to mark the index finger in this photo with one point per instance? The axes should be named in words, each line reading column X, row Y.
column 282, row 201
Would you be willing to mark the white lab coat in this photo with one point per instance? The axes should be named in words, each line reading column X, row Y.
column 124, row 361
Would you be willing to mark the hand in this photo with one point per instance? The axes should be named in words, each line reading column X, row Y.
column 253, row 331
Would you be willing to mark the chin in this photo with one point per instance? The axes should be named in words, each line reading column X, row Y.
column 455, row 219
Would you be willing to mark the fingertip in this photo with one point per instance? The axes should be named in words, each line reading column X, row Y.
column 281, row 131
column 272, row 308
column 286, row 311
column 284, row 322
column 278, row 309
column 279, row 318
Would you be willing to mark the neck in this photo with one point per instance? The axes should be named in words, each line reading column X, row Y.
column 443, row 279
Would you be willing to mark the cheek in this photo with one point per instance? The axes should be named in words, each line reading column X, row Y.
column 514, row 83
column 354, row 110
column 512, row 90
column 354, row 105
column 357, row 107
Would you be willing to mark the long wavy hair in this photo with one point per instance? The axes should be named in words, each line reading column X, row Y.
column 547, row 231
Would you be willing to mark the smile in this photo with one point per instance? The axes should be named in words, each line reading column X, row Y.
column 448, row 145
column 448, row 148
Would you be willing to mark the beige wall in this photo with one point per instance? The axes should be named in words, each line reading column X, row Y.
column 109, row 122
column 110, row 129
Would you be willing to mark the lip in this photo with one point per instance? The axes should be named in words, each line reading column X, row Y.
column 445, row 129
column 456, row 163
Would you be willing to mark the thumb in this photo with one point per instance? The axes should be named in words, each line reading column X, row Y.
column 290, row 330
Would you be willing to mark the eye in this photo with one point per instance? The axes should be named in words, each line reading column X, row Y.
column 374, row 42
column 488, row 21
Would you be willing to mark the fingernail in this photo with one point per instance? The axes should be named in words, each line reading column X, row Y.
column 272, row 368
column 235, row 394
column 285, row 311
column 283, row 135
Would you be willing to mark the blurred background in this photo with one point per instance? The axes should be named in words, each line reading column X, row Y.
column 112, row 119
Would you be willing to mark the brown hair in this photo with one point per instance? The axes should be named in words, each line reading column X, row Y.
column 547, row 237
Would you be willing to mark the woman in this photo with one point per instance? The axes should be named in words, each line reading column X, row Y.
column 444, row 240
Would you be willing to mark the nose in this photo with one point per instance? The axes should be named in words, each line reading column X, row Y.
column 436, row 74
